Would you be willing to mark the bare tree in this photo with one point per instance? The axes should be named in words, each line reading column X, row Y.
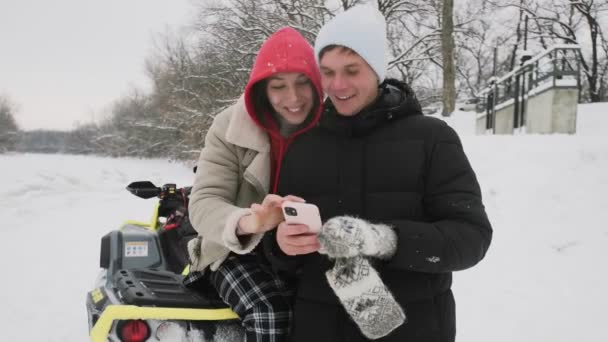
column 414, row 35
column 591, row 10
column 186, row 94
column 198, row 75
column 572, row 22
column 478, row 36
column 447, row 49
column 196, row 80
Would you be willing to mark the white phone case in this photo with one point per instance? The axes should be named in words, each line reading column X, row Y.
column 302, row 213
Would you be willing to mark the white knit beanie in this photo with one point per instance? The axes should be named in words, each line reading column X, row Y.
column 361, row 28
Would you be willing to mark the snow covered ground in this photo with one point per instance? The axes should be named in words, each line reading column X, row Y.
column 542, row 279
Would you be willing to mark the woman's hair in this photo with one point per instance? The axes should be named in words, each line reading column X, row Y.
column 335, row 46
column 261, row 104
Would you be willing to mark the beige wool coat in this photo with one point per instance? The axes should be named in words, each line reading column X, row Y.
column 233, row 172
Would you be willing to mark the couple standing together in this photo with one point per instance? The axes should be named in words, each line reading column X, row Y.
column 400, row 203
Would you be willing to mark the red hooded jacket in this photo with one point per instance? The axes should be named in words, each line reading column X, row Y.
column 284, row 51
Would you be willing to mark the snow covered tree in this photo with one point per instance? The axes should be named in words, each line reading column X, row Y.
column 8, row 126
column 477, row 37
column 581, row 22
column 197, row 75
column 187, row 92
column 593, row 12
column 196, row 78
column 83, row 140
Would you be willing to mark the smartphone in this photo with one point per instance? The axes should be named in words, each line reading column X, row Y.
column 302, row 213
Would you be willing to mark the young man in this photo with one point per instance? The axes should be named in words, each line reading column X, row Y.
column 401, row 204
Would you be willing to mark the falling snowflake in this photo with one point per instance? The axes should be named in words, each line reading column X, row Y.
column 433, row 259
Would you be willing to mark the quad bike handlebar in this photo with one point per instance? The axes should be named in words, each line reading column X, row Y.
column 147, row 189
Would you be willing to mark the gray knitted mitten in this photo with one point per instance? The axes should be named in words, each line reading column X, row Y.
column 346, row 236
column 365, row 297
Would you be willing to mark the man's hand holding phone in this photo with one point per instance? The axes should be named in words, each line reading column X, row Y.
column 298, row 234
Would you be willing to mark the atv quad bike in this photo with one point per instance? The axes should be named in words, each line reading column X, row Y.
column 139, row 295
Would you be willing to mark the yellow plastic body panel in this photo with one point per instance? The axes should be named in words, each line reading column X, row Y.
column 102, row 327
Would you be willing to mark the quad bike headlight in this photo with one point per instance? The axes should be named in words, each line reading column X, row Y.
column 170, row 331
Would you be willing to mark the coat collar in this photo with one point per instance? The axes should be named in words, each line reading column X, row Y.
column 244, row 132
column 396, row 100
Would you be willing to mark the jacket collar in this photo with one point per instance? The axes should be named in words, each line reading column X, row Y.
column 244, row 132
column 395, row 100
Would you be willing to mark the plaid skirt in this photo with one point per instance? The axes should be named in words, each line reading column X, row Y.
column 259, row 296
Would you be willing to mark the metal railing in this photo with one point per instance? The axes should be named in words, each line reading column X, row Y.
column 556, row 67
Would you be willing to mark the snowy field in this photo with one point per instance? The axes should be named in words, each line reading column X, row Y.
column 542, row 280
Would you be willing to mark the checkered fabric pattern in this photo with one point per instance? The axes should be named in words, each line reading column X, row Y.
column 193, row 277
column 255, row 293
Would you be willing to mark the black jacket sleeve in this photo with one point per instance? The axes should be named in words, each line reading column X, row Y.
column 458, row 232
column 279, row 261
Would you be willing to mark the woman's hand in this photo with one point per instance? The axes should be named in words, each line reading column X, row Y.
column 265, row 216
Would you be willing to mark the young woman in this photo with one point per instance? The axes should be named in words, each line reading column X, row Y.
column 231, row 205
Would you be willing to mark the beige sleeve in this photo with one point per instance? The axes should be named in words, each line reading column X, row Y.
column 239, row 244
column 212, row 211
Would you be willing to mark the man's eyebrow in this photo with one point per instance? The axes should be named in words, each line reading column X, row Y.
column 351, row 65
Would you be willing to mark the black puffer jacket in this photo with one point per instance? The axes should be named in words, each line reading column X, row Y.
column 393, row 165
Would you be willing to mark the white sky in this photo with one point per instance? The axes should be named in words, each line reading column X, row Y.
column 66, row 61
